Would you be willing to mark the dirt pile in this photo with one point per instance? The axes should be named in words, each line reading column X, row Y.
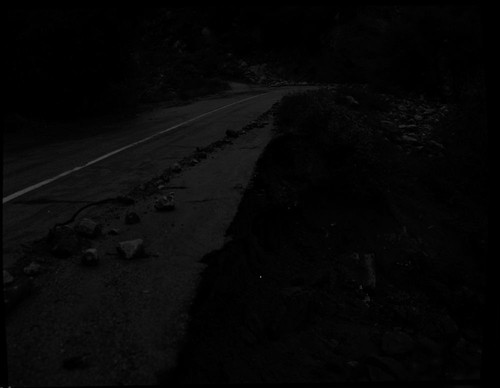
column 345, row 263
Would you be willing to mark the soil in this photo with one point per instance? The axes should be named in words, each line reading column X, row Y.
column 353, row 266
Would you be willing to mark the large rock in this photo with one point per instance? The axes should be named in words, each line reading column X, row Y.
column 88, row 228
column 131, row 249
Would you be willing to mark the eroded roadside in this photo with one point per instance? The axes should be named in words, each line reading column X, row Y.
column 363, row 261
column 120, row 321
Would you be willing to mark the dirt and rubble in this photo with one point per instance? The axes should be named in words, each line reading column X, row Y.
column 348, row 266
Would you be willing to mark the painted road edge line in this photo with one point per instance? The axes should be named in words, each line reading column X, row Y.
column 47, row 181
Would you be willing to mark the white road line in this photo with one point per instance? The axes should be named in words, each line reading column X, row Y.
column 47, row 181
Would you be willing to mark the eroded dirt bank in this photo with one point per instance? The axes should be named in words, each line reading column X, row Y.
column 351, row 263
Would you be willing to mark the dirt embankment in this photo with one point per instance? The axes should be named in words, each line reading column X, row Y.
column 349, row 260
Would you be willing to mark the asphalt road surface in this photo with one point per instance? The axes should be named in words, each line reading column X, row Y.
column 163, row 136
column 123, row 322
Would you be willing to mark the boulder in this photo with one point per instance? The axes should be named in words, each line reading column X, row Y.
column 88, row 228
column 131, row 249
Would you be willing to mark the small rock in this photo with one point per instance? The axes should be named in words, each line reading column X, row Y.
column 370, row 278
column 231, row 133
column 16, row 293
column 165, row 203
column 407, row 126
column 32, row 269
column 131, row 249
column 409, row 139
column 176, row 167
column 87, row 227
column 161, row 187
column 418, row 117
column 396, row 342
column 351, row 101
column 90, row 257
column 114, row 231
column 132, row 218
column 7, row 278
column 436, row 144
column 194, row 162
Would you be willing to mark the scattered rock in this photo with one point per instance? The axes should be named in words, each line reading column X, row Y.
column 131, row 249
column 7, row 278
column 409, row 139
column 231, row 133
column 32, row 269
column 396, row 342
column 64, row 241
column 176, row 167
column 132, row 218
column 436, row 144
column 88, row 228
column 90, row 257
column 351, row 101
column 165, row 203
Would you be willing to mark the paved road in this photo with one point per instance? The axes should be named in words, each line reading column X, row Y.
column 29, row 215
column 122, row 322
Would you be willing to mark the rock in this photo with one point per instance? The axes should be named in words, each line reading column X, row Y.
column 436, row 144
column 231, row 133
column 351, row 101
column 396, row 342
column 90, row 257
column 418, row 117
column 114, row 231
column 194, row 162
column 389, row 366
column 165, row 203
column 131, row 249
column 407, row 126
column 32, row 269
column 132, row 218
column 7, row 278
column 64, row 241
column 176, row 167
column 409, row 139
column 370, row 278
column 88, row 228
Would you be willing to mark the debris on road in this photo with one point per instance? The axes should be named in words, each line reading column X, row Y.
column 131, row 249
column 88, row 228
column 165, row 203
column 32, row 269
column 90, row 257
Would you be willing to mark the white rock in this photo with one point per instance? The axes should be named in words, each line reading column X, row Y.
column 131, row 249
